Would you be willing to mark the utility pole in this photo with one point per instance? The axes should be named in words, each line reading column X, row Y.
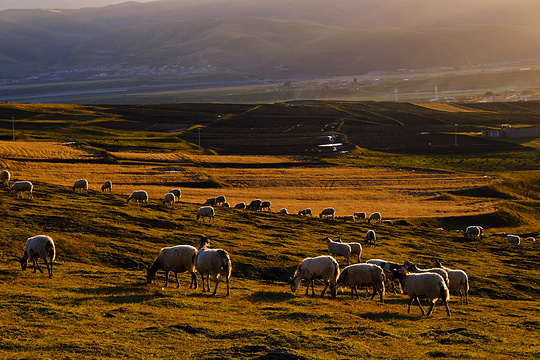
column 396, row 95
column 455, row 131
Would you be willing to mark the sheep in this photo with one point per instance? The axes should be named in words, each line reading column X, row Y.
column 360, row 215
column 226, row 204
column 213, row 262
column 321, row 267
column 169, row 199
column 423, row 285
column 206, row 212
column 139, row 196
column 240, row 205
column 457, row 280
column 210, row 202
column 474, row 231
column 107, row 186
column 178, row 259
column 360, row 275
column 220, row 200
column 387, row 267
column 305, row 212
column 531, row 239
column 513, row 240
column 254, row 204
column 370, row 237
column 356, row 248
column 4, row 177
column 21, row 186
column 39, row 247
column 376, row 216
column 265, row 205
column 80, row 185
column 327, row 212
column 410, row 267
column 336, row 248
column 177, row 193
column 348, row 218
column 283, row 211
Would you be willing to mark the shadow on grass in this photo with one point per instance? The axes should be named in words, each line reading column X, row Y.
column 270, row 296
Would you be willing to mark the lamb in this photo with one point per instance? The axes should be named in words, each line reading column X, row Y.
column 39, row 247
column 254, row 204
column 80, row 185
column 168, row 200
column 360, row 215
column 107, row 186
column 283, row 211
column 4, row 177
column 356, row 248
column 423, row 285
column 139, row 196
column 177, row 193
column 220, row 200
column 360, row 275
column 410, row 267
column 320, row 267
column 370, row 237
column 240, row 205
column 336, row 248
column 513, row 240
column 327, row 212
column 178, row 259
column 457, row 280
column 21, row 186
column 387, row 267
column 213, row 262
column 305, row 212
column 210, row 202
column 206, row 212
column 376, row 216
column 265, row 205
column 474, row 231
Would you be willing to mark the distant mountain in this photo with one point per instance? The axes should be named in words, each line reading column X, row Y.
column 261, row 38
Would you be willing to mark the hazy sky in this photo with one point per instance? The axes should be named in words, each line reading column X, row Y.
column 58, row 4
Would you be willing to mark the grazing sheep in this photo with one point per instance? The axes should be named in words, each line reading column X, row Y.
column 360, row 215
column 360, row 275
column 513, row 240
column 240, row 206
column 423, row 285
column 39, row 247
column 348, row 218
column 178, row 259
column 531, row 239
column 168, row 200
column 213, row 262
column 80, row 185
column 176, row 193
column 206, row 212
column 4, row 177
column 474, row 231
column 337, row 248
column 21, row 186
column 140, row 196
column 210, row 202
column 327, row 212
column 410, row 267
column 107, row 186
column 305, row 212
column 265, row 205
column 356, row 248
column 387, row 267
column 376, row 216
column 226, row 204
column 370, row 237
column 254, row 204
column 220, row 200
column 320, row 267
column 283, row 211
column 387, row 222
column 457, row 280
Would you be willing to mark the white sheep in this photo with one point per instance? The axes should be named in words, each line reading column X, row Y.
column 213, row 262
column 283, row 211
column 305, row 212
column 210, row 202
column 80, row 185
column 240, row 205
column 356, row 248
column 254, row 204
column 178, row 259
column 376, row 216
column 387, row 267
column 327, row 212
column 220, row 200
column 423, row 285
column 474, row 231
column 413, row 268
column 513, row 240
column 206, row 212
column 177, row 193
column 107, row 186
column 21, row 186
column 337, row 248
column 140, row 196
column 531, row 239
column 4, row 177
column 39, row 247
column 360, row 275
column 320, row 267
column 360, row 215
column 265, row 205
column 458, row 280
column 168, row 200
column 371, row 237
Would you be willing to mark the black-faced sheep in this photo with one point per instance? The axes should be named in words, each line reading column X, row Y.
column 376, row 216
column 80, row 185
column 305, row 212
column 206, row 212
column 283, row 211
column 320, row 267
column 210, row 202
column 226, row 204
column 4, row 177
column 327, row 212
column 514, row 240
column 140, row 196
column 220, row 200
column 168, row 200
column 22, row 186
column 348, row 218
column 458, row 280
column 371, row 237
column 337, row 248
column 360, row 275
column 107, row 186
column 39, row 247
column 213, row 262
column 178, row 259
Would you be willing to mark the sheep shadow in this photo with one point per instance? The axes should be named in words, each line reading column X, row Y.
column 270, row 296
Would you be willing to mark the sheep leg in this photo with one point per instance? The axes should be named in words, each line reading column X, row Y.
column 374, row 293
column 166, row 278
column 36, row 265
column 431, row 309
column 203, row 288
column 326, row 284
column 193, row 281
column 49, row 269
column 420, row 306
column 355, row 290
column 467, row 296
column 217, row 283
column 177, row 282
column 228, row 288
column 446, row 305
